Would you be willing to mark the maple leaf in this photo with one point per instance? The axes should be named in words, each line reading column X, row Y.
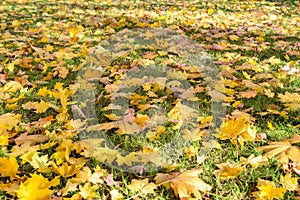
column 291, row 101
column 128, row 159
column 10, row 187
column 283, row 151
column 228, row 170
column 289, row 183
column 181, row 113
column 40, row 163
column 116, row 195
column 86, row 175
column 274, row 61
column 9, row 167
column 8, row 121
column 184, row 184
column 103, row 154
column 40, row 107
column 254, row 161
column 237, row 130
column 248, row 94
column 142, row 186
column 65, row 170
column 155, row 132
column 87, row 191
column 268, row 190
column 11, row 86
column 70, row 186
column 36, row 187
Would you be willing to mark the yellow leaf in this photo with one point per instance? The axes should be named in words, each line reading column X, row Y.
column 269, row 93
column 268, row 190
column 289, row 183
column 190, row 151
column 41, row 164
column 254, row 161
column 270, row 126
column 103, row 154
column 40, row 107
column 282, row 151
column 175, row 115
column 233, row 37
column 87, row 191
column 273, row 60
column 4, row 140
column 236, row 104
column 9, row 167
column 162, row 53
column 228, row 170
column 8, row 121
column 12, row 86
column 210, row 11
column 10, row 67
column 155, row 133
column 289, row 97
column 142, row 186
column 36, row 188
column 44, row 40
column 65, row 170
column 184, row 184
column 113, row 117
column 142, row 120
column 116, row 195
column 15, row 24
column 204, row 120
column 231, row 128
column 70, row 186
column 246, row 75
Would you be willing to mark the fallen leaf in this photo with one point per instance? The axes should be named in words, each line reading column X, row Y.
column 142, row 186
column 88, row 191
column 268, row 190
column 289, row 183
column 184, row 184
column 228, row 170
column 282, row 151
column 36, row 187
column 9, row 167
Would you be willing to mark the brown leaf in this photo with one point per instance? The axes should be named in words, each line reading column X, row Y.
column 248, row 94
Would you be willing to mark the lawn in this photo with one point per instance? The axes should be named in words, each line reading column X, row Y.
column 153, row 99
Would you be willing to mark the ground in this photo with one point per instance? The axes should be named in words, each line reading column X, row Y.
column 149, row 99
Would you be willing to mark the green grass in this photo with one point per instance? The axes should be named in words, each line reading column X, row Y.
column 103, row 20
